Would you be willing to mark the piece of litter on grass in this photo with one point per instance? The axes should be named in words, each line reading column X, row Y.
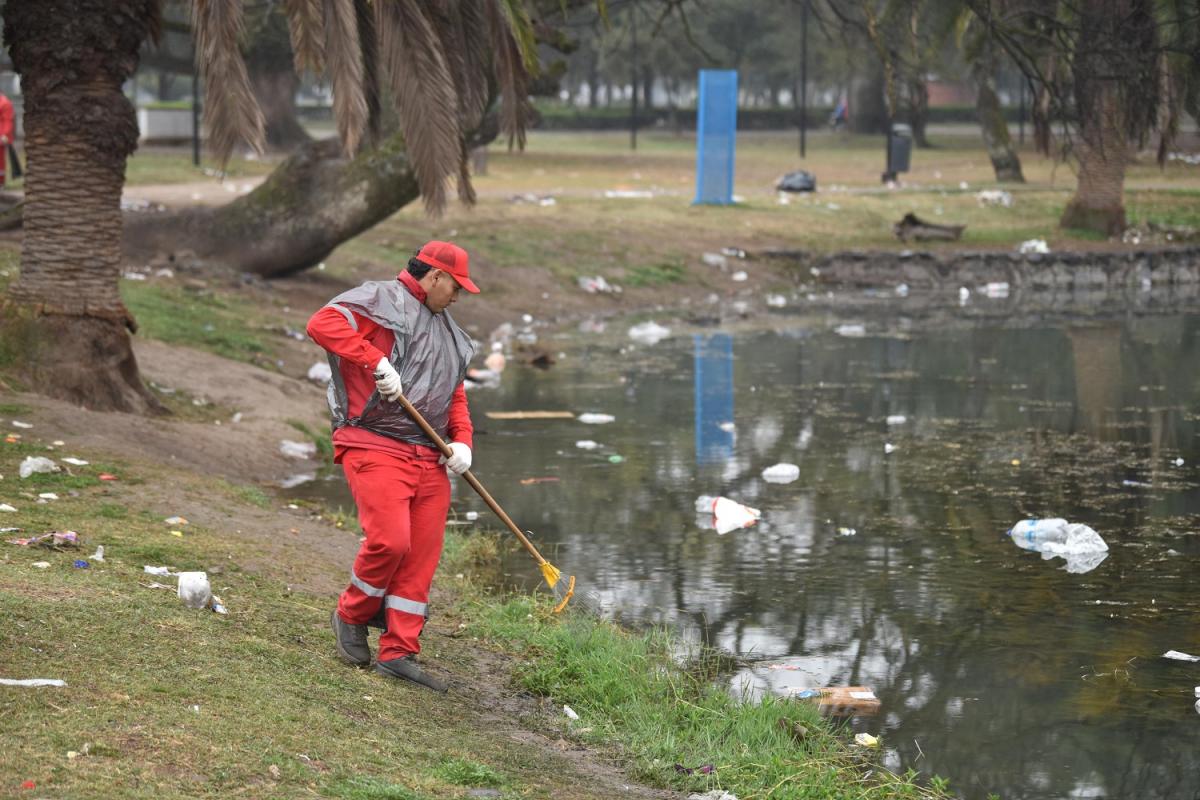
column 888, row 448
column 1178, row 656
column 41, row 564
column 156, row 570
column 7, row 507
column 297, row 450
column 32, row 682
column 81, row 564
column 175, row 521
column 615, row 458
column 587, row 444
column 703, row 769
column 99, row 554
column 570, row 712
column 34, row 465
column 48, row 496
column 866, row 740
column 106, row 476
column 18, row 424
column 896, row 419
column 75, row 462
column 176, row 533
column 472, row 516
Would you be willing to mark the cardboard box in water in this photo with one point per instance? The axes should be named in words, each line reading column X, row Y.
column 848, row 701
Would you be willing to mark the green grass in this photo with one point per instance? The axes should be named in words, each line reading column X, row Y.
column 224, row 324
column 629, row 688
column 655, row 274
column 159, row 165
column 165, row 701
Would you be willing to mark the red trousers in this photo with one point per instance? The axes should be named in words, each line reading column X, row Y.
column 402, row 505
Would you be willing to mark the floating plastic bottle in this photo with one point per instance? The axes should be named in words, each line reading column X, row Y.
column 1031, row 533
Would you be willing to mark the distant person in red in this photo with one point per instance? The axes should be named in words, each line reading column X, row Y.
column 6, row 135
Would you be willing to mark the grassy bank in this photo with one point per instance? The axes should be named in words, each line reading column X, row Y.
column 166, row 701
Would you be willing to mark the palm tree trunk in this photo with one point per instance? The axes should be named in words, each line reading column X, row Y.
column 1005, row 161
column 79, row 130
column 1102, row 149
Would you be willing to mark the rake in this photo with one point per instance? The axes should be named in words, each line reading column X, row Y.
column 563, row 589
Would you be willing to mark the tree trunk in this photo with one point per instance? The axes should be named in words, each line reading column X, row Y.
column 79, row 130
column 309, row 205
column 1098, row 204
column 1102, row 148
column 918, row 109
column 275, row 90
column 868, row 107
column 1005, row 161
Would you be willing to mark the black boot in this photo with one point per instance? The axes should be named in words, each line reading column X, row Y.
column 351, row 641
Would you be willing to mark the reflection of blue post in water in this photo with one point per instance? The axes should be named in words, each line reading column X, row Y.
column 714, row 397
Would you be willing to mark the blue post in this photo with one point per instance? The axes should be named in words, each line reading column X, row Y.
column 716, row 129
column 713, row 361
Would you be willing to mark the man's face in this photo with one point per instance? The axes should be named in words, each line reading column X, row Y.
column 441, row 292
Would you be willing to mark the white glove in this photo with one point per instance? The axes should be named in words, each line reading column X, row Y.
column 387, row 380
column 460, row 461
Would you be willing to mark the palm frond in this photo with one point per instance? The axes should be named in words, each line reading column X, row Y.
column 231, row 113
column 343, row 57
column 511, row 71
column 423, row 89
column 372, row 94
column 463, row 31
column 304, row 26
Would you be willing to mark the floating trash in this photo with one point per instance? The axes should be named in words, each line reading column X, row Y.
column 1081, row 547
column 781, row 473
column 589, row 418
column 649, row 332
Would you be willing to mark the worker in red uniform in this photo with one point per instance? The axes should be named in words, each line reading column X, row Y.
column 385, row 338
column 6, row 135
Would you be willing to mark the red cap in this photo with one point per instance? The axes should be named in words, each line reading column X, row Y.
column 451, row 259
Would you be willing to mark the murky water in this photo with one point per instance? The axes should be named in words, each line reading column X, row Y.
column 886, row 564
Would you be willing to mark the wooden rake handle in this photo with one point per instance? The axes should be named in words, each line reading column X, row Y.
column 470, row 478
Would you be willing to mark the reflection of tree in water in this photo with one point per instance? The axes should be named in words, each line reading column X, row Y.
column 978, row 650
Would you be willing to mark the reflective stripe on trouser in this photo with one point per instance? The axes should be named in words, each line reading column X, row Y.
column 402, row 505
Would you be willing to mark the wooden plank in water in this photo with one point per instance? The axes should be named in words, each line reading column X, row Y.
column 530, row 415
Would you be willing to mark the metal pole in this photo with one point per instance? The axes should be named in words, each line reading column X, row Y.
column 803, row 75
column 195, row 116
column 634, row 106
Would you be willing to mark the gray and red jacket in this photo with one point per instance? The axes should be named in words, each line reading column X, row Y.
column 389, row 318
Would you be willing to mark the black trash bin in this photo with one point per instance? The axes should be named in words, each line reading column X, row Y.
column 899, row 153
